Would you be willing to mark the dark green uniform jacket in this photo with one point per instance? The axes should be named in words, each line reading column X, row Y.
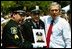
column 27, row 29
column 11, row 35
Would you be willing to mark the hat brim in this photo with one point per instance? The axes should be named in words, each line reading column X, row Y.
column 23, row 14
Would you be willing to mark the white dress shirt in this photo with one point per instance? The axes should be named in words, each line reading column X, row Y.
column 61, row 32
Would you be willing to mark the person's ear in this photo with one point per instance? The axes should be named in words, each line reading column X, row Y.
column 14, row 15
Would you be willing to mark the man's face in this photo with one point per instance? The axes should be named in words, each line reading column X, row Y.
column 19, row 18
column 35, row 17
column 54, row 11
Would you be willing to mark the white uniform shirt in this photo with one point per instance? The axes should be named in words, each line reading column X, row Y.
column 61, row 32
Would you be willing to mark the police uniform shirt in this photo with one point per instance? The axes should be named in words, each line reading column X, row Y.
column 11, row 35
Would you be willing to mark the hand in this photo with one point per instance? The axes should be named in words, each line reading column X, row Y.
column 37, row 45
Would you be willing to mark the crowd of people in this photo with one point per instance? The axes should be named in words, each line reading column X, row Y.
column 16, row 31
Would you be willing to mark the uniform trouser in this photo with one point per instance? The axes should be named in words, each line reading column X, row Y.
column 25, row 44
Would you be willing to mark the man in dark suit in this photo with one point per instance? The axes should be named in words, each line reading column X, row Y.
column 33, row 23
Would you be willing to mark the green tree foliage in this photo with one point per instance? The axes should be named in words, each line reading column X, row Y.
column 5, row 5
column 8, row 6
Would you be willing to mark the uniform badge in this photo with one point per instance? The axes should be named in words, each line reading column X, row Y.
column 13, row 30
column 16, row 36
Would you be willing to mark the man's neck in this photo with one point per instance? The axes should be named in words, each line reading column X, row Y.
column 54, row 17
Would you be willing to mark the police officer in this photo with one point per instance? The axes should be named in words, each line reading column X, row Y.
column 12, row 37
column 33, row 23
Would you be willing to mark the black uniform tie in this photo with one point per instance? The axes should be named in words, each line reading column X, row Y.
column 37, row 25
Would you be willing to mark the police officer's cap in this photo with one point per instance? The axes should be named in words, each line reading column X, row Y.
column 35, row 11
column 20, row 12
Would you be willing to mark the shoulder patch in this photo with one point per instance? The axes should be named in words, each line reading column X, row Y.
column 13, row 30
